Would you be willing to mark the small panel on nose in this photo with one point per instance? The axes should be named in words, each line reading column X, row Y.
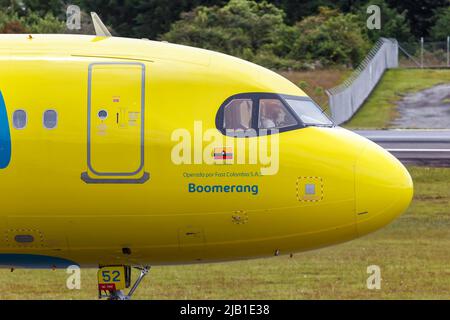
column 310, row 189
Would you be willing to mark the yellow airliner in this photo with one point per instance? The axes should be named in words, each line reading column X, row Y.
column 110, row 157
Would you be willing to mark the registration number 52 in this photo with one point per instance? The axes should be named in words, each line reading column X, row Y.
column 111, row 278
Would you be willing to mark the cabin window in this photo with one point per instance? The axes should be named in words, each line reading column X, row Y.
column 19, row 119
column 50, row 119
column 238, row 114
column 274, row 115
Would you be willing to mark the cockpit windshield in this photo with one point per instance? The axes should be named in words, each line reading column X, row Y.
column 262, row 113
column 308, row 111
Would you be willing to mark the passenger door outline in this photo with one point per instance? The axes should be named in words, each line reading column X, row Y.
column 111, row 176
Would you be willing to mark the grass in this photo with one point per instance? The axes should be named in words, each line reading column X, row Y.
column 413, row 253
column 315, row 82
column 380, row 109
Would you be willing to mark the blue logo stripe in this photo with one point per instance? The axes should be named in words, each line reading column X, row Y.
column 5, row 137
column 32, row 261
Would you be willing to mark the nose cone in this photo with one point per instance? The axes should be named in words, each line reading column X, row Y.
column 384, row 189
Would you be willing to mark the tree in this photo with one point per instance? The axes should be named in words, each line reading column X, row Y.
column 40, row 7
column 152, row 18
column 331, row 37
column 155, row 17
column 47, row 24
column 43, row 8
column 393, row 24
column 441, row 29
column 420, row 13
column 141, row 18
column 243, row 28
column 297, row 10
column 10, row 22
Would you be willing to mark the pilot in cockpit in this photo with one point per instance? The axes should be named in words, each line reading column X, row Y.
column 273, row 114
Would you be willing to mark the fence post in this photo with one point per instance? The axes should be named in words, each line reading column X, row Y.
column 421, row 51
column 448, row 51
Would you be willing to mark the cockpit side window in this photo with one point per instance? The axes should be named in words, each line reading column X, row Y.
column 238, row 114
column 308, row 111
column 274, row 115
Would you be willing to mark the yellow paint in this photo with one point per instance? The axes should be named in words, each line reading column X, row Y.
column 159, row 220
column 116, row 89
column 112, row 276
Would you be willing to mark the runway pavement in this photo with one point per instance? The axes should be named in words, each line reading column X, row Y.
column 421, row 147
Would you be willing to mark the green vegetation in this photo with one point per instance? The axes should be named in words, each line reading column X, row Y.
column 250, row 30
column 380, row 109
column 257, row 32
column 278, row 34
column 152, row 18
column 31, row 23
column 330, row 38
column 413, row 253
column 442, row 26
column 394, row 23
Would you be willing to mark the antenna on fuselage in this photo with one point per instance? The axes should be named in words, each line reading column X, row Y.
column 100, row 29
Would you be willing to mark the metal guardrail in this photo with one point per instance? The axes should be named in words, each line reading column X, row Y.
column 422, row 147
column 347, row 98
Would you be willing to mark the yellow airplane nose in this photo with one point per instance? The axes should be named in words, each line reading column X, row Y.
column 384, row 189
